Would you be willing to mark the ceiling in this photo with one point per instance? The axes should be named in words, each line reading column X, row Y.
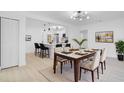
column 95, row 16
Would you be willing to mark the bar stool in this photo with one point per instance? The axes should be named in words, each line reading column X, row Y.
column 44, row 50
column 37, row 47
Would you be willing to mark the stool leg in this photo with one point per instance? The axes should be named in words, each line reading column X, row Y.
column 42, row 53
column 45, row 52
column 48, row 53
column 35, row 51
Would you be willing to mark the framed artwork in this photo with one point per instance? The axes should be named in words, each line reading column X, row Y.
column 104, row 37
column 28, row 38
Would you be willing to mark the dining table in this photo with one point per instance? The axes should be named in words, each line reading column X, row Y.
column 75, row 55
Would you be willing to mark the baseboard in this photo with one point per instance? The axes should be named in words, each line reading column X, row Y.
column 112, row 57
column 21, row 65
column 115, row 57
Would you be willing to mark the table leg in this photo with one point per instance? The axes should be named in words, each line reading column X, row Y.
column 54, row 64
column 76, row 70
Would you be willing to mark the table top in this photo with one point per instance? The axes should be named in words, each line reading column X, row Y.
column 76, row 54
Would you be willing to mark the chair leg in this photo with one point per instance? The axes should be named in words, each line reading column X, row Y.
column 104, row 64
column 92, row 73
column 71, row 63
column 98, row 72
column 85, row 71
column 61, row 66
column 80, row 73
column 102, row 67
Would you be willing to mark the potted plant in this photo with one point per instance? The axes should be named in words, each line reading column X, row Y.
column 80, row 42
column 120, row 49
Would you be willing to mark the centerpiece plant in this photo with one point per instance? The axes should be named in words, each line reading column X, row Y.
column 80, row 42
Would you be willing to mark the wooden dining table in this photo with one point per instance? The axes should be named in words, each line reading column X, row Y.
column 74, row 56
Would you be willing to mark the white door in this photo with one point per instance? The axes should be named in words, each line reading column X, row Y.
column 9, row 42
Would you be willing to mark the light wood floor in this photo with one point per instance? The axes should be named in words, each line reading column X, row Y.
column 28, row 73
column 35, row 65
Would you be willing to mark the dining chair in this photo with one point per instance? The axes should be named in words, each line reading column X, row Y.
column 60, row 59
column 37, row 47
column 68, row 45
column 92, row 65
column 103, row 59
column 58, row 45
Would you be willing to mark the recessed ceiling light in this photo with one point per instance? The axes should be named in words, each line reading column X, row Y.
column 88, row 17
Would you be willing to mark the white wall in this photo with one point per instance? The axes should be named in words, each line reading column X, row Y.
column 73, row 32
column 34, row 27
column 116, row 25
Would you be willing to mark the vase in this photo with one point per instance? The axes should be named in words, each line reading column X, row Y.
column 80, row 49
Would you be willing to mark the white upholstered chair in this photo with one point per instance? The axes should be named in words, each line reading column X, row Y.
column 62, row 60
column 103, row 59
column 92, row 65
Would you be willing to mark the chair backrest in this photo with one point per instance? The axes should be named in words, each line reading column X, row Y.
column 68, row 45
column 36, row 45
column 66, row 41
column 96, row 60
column 104, row 54
column 58, row 45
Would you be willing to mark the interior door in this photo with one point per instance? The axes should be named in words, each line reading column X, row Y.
column 9, row 42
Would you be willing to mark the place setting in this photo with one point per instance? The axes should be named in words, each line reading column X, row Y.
column 81, row 52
